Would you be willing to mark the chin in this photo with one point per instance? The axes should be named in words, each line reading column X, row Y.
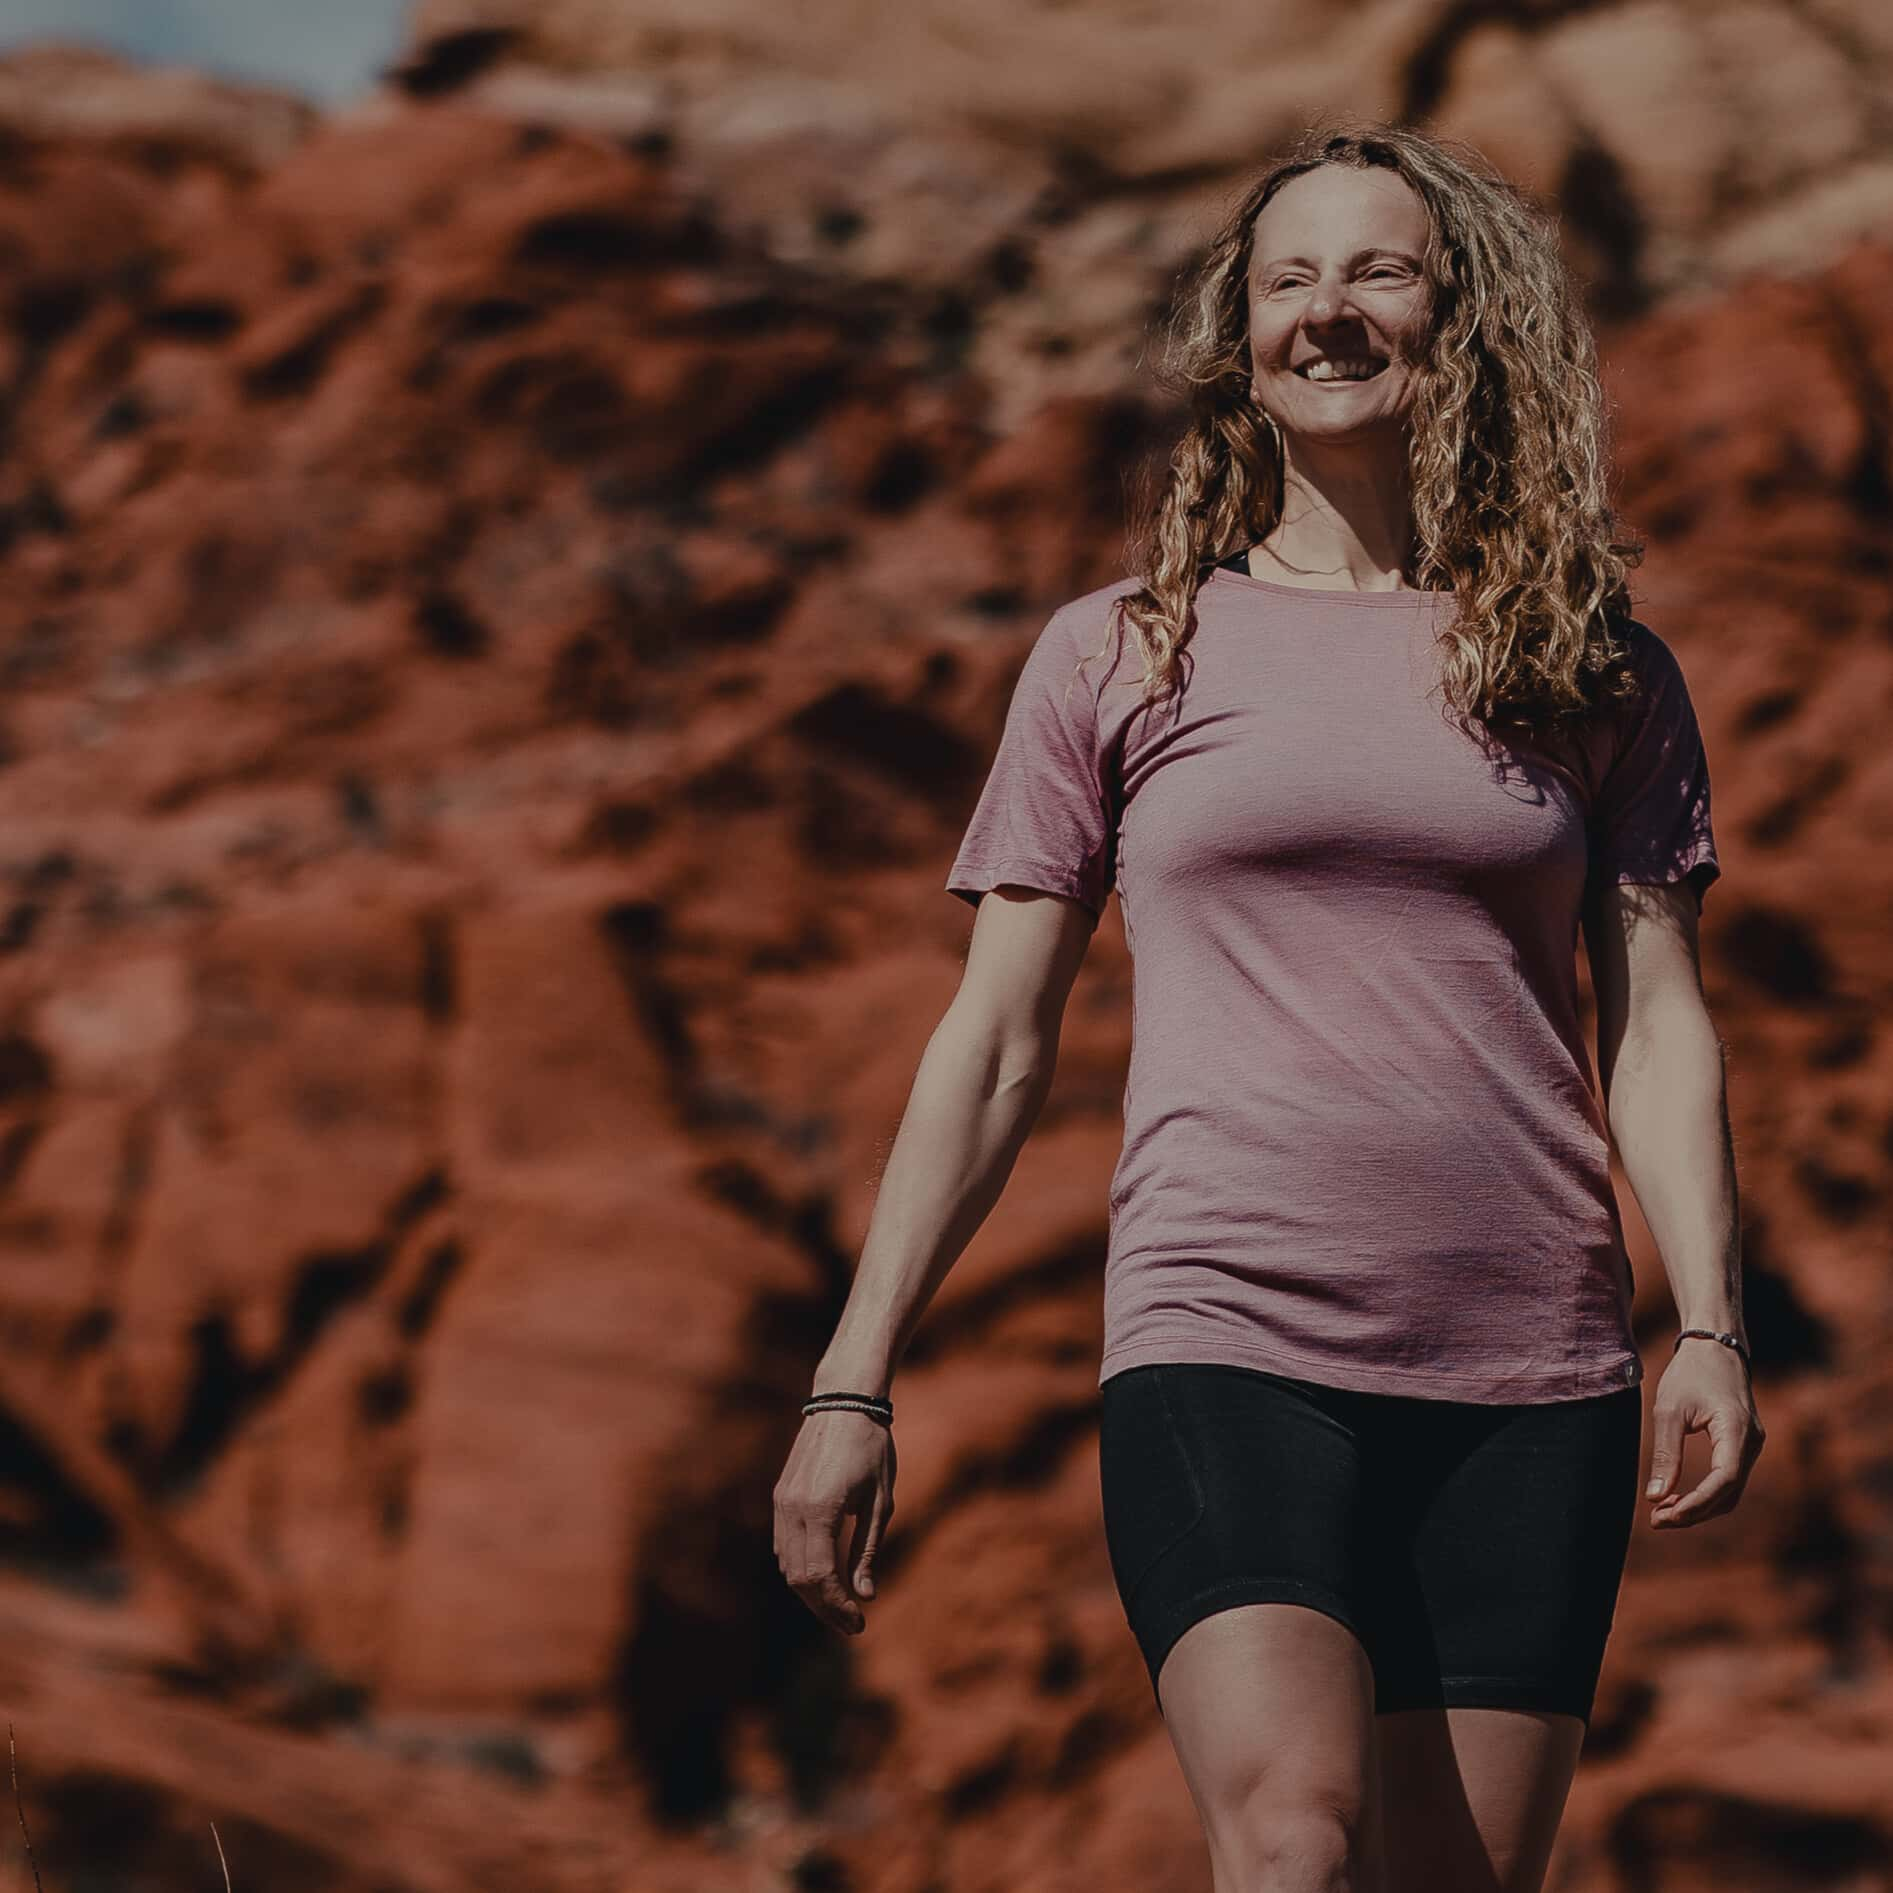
column 1359, row 414
column 1344, row 424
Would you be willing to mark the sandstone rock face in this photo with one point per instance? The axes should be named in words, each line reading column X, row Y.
column 509, row 599
column 1686, row 144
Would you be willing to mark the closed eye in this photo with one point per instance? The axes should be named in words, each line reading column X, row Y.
column 1388, row 270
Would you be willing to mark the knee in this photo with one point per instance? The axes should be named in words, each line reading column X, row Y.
column 1312, row 1847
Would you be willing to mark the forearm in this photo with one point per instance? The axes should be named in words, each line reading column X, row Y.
column 976, row 1094
column 1668, row 1112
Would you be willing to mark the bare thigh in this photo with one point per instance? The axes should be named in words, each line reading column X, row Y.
column 1270, row 1708
column 1471, row 1798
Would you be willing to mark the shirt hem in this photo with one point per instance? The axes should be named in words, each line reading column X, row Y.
column 1609, row 1374
column 970, row 880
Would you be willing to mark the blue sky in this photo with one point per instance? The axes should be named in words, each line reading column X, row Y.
column 326, row 49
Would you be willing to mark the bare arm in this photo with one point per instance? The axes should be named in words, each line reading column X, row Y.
column 980, row 1085
column 1660, row 1062
column 975, row 1097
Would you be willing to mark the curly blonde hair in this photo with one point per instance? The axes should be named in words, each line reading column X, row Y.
column 1507, row 443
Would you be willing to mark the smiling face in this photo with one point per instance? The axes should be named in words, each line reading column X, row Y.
column 1339, row 305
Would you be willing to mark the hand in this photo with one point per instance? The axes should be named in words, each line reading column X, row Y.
column 842, row 1466
column 1705, row 1389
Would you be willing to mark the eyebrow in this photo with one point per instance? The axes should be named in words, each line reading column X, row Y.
column 1373, row 249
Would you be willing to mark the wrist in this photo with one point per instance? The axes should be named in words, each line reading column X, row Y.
column 842, row 1376
column 1727, row 1339
column 1710, row 1324
column 881, row 1412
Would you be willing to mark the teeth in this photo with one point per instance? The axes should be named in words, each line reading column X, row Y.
column 1356, row 370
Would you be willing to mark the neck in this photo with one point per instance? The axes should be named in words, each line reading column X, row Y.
column 1347, row 517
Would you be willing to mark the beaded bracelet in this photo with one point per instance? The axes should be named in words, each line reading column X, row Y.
column 874, row 1406
column 1727, row 1340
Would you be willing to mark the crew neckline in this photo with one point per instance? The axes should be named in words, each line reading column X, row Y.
column 1403, row 598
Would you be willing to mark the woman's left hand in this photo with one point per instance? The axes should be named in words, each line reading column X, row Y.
column 1705, row 1389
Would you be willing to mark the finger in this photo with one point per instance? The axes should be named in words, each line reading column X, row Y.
column 1666, row 1456
column 1692, row 1508
column 1726, row 1431
column 816, row 1581
column 825, row 1593
column 836, row 1589
column 793, row 1563
column 868, row 1542
column 1716, row 1493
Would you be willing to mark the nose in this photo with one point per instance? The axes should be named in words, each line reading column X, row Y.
column 1328, row 300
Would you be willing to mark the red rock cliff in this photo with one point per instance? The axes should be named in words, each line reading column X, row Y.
column 509, row 596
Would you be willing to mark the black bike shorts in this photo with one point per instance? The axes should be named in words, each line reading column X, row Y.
column 1475, row 1550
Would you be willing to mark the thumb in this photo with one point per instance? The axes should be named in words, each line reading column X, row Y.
column 1667, row 1453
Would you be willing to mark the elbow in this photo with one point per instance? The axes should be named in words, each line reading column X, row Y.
column 1667, row 1028
column 1676, row 1052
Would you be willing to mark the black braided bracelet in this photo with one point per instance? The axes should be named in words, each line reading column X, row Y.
column 1710, row 1334
column 875, row 1406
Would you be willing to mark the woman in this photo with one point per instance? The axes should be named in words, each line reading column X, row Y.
column 1366, row 742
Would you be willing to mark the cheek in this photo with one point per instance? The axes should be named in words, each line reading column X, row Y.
column 1267, row 332
column 1415, row 337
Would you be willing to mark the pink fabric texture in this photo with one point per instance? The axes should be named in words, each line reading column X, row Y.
column 1363, row 1142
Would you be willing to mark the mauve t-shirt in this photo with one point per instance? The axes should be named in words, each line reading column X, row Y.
column 1363, row 1145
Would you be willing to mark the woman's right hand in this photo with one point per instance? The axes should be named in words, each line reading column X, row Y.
column 841, row 1467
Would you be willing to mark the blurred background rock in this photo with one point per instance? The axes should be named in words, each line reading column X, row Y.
column 519, row 522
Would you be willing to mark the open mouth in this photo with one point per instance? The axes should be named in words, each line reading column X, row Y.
column 1341, row 368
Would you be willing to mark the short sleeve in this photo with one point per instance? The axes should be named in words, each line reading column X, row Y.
column 1045, row 817
column 1650, row 818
